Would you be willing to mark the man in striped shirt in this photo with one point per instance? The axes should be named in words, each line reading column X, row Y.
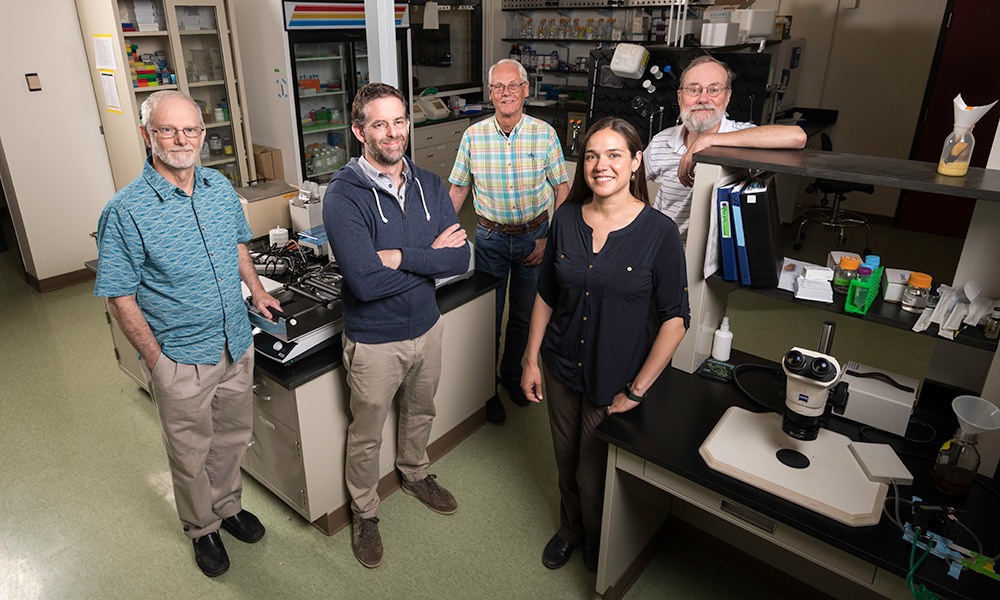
column 703, row 95
column 514, row 164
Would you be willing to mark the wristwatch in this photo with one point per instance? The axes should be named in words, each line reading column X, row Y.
column 631, row 395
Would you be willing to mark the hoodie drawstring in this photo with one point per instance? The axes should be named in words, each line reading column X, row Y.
column 422, row 201
column 378, row 203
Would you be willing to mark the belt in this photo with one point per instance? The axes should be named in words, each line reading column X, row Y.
column 519, row 229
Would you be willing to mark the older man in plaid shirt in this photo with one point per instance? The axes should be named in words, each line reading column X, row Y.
column 515, row 166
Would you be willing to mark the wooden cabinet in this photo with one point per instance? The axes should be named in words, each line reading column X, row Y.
column 190, row 46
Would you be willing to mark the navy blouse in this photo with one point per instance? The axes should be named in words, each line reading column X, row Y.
column 597, row 338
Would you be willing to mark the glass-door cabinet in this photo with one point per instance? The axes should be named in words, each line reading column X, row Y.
column 322, row 70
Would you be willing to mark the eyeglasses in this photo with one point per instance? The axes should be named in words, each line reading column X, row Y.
column 380, row 126
column 714, row 90
column 169, row 132
column 513, row 88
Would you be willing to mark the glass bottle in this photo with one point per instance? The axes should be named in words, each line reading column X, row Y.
column 918, row 288
column 956, row 464
column 992, row 329
column 957, row 153
column 845, row 272
column 227, row 146
column 214, row 144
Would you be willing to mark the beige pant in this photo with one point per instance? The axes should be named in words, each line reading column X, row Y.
column 377, row 373
column 206, row 416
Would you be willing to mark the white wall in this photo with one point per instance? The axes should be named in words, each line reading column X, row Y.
column 57, row 176
column 265, row 59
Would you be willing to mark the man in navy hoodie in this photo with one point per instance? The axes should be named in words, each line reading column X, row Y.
column 393, row 230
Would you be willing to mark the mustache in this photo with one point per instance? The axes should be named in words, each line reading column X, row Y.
column 702, row 106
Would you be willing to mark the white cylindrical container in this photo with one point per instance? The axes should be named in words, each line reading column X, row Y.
column 723, row 342
column 278, row 237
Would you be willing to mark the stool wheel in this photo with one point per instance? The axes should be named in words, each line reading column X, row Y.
column 796, row 246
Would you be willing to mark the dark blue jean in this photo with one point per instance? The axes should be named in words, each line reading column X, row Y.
column 502, row 256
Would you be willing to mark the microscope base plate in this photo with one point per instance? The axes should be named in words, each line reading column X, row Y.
column 744, row 445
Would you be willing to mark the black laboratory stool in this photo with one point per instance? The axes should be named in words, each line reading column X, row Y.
column 831, row 216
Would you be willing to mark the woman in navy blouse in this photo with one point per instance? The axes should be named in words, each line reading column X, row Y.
column 610, row 262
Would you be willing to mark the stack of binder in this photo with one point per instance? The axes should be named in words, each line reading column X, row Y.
column 750, row 232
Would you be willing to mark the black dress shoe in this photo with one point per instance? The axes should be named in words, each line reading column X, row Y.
column 557, row 552
column 211, row 555
column 515, row 393
column 495, row 412
column 244, row 526
column 591, row 555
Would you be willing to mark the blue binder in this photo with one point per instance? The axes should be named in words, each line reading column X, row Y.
column 726, row 234
column 742, row 259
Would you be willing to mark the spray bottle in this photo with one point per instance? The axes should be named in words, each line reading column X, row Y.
column 957, row 151
column 722, row 345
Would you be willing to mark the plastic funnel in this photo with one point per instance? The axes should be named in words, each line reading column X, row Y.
column 976, row 415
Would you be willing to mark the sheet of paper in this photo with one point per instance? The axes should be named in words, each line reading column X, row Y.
column 111, row 101
column 104, row 53
column 790, row 271
column 431, row 15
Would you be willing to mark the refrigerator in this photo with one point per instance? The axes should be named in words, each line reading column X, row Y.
column 328, row 52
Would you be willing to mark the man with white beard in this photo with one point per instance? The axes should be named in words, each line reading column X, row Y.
column 172, row 253
column 703, row 95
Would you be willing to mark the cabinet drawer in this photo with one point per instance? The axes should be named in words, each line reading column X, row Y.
column 275, row 457
column 435, row 154
column 269, row 396
column 440, row 133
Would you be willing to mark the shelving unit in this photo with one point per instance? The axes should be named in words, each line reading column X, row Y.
column 204, row 66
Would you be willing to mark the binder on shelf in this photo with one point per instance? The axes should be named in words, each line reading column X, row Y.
column 742, row 260
column 727, row 240
column 762, row 231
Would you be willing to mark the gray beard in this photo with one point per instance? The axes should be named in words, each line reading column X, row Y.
column 700, row 125
column 386, row 158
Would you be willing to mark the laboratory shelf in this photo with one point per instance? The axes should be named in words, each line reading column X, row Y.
column 221, row 161
column 154, row 88
column 195, row 84
column 199, row 31
column 315, row 58
column 978, row 183
column 217, row 124
column 326, row 172
column 317, row 94
column 325, row 128
column 883, row 313
column 128, row 34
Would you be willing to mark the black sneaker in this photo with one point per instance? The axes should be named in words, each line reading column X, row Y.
column 495, row 412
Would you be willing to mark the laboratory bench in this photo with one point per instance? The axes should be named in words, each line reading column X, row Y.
column 655, row 472
column 654, row 466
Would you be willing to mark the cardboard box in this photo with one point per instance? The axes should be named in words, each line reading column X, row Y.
column 833, row 258
column 265, row 206
column 893, row 284
column 268, row 162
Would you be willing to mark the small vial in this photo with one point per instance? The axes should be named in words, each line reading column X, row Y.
column 656, row 72
column 992, row 329
column 861, row 291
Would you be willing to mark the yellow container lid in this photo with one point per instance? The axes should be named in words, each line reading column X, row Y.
column 920, row 280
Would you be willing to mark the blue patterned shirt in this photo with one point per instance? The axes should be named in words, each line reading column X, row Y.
column 512, row 175
column 178, row 254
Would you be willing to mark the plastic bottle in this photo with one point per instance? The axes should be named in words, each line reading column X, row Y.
column 600, row 33
column 722, row 344
column 205, row 152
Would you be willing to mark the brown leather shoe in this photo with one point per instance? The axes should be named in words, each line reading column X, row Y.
column 433, row 495
column 366, row 542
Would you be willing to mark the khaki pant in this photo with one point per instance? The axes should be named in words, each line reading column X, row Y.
column 206, row 416
column 581, row 458
column 377, row 373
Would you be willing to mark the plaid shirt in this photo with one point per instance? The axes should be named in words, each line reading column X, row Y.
column 512, row 175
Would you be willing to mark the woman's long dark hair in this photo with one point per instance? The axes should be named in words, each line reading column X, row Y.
column 581, row 192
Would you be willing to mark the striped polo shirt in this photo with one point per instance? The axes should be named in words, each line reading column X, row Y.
column 662, row 157
column 178, row 254
column 511, row 175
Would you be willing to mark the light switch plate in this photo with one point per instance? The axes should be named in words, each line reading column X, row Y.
column 34, row 82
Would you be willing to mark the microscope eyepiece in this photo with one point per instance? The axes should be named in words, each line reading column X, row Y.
column 820, row 367
column 794, row 360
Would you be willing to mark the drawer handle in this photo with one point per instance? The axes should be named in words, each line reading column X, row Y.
column 429, row 138
column 261, row 396
column 747, row 516
column 430, row 156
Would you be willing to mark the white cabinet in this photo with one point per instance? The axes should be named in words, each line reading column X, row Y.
column 190, row 46
column 435, row 146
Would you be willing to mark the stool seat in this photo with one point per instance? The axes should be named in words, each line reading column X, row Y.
column 830, row 186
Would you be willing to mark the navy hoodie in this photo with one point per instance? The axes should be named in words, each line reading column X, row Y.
column 381, row 304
